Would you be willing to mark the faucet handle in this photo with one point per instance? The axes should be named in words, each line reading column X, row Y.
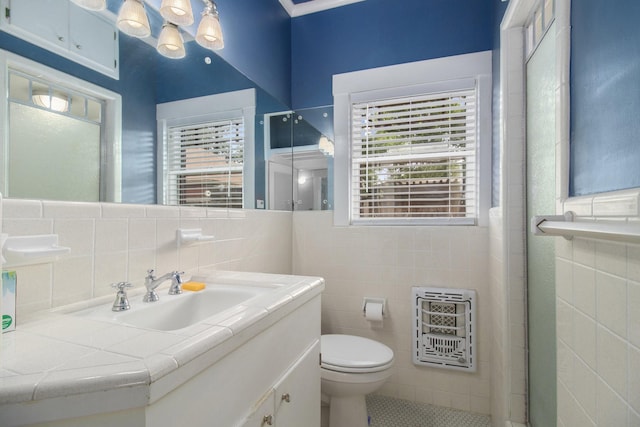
column 176, row 283
column 150, row 274
column 121, row 303
column 121, row 286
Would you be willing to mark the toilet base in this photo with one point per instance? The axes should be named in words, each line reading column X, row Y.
column 348, row 411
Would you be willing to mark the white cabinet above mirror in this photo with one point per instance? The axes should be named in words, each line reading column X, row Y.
column 65, row 29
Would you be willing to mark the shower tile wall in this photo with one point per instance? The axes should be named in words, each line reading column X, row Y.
column 116, row 242
column 598, row 327
column 387, row 262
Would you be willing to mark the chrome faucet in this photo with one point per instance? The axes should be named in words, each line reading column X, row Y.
column 151, row 282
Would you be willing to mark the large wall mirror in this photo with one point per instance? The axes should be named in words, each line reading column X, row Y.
column 119, row 163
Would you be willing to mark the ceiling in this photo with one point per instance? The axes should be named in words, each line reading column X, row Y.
column 304, row 7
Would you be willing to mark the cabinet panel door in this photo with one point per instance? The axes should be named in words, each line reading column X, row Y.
column 297, row 394
column 263, row 414
column 46, row 19
column 92, row 37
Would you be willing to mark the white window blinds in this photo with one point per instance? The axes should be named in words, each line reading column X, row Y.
column 414, row 158
column 205, row 164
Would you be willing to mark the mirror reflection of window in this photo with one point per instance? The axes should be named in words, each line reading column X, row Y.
column 54, row 144
column 299, row 153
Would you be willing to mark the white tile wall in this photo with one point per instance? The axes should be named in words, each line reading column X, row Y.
column 598, row 342
column 118, row 242
column 386, row 262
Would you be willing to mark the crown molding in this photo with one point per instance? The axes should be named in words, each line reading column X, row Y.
column 314, row 6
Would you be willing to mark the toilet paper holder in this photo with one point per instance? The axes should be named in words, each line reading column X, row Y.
column 367, row 300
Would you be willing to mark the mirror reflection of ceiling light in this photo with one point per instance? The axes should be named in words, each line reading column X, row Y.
column 96, row 5
column 326, row 146
column 53, row 101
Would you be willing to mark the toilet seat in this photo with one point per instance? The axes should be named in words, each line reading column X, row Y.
column 353, row 354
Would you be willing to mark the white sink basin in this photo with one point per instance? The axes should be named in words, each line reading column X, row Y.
column 173, row 312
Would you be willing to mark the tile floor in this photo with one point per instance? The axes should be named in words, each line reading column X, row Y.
column 390, row 412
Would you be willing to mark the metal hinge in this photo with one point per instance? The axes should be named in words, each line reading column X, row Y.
column 115, row 63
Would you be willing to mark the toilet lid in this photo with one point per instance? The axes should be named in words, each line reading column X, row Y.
column 351, row 353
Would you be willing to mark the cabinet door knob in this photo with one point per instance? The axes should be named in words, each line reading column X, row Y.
column 286, row 397
column 60, row 38
column 267, row 420
column 78, row 46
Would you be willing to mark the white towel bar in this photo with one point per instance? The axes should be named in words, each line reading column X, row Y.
column 565, row 226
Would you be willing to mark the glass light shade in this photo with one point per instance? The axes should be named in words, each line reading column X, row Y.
column 177, row 11
column 91, row 4
column 52, row 101
column 209, row 33
column 170, row 42
column 132, row 19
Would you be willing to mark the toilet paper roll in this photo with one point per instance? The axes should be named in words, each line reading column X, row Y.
column 373, row 311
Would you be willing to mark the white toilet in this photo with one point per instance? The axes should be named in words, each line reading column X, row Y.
column 352, row 367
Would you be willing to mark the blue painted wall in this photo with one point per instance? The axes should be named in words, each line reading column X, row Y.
column 377, row 33
column 605, row 96
column 257, row 37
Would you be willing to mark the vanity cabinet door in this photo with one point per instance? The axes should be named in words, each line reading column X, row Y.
column 45, row 19
column 263, row 414
column 297, row 394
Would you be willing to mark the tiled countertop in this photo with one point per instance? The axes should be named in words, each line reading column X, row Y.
column 60, row 354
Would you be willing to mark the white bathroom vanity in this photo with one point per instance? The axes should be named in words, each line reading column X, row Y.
column 255, row 363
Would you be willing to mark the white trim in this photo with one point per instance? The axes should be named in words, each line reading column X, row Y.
column 513, row 191
column 407, row 78
column 295, row 10
column 112, row 123
column 218, row 106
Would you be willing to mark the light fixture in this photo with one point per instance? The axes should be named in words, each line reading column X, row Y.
column 132, row 19
column 55, row 101
column 170, row 43
column 96, row 5
column 177, row 11
column 209, row 33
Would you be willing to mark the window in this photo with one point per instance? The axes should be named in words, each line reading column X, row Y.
column 541, row 19
column 207, row 150
column 413, row 143
column 414, row 157
column 205, row 164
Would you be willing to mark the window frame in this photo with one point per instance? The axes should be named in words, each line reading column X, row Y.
column 405, row 80
column 216, row 107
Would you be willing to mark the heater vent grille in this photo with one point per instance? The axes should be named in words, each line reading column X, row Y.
column 444, row 328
